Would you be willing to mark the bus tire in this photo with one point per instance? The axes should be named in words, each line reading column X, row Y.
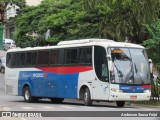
column 120, row 103
column 2, row 69
column 27, row 95
column 57, row 100
column 87, row 97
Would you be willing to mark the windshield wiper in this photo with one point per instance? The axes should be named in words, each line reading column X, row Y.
column 130, row 74
column 120, row 75
column 137, row 72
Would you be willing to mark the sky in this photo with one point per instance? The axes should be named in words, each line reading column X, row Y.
column 33, row 2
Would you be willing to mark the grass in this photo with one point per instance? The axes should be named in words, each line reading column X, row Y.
column 150, row 102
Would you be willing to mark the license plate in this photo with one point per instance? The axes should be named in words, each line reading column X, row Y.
column 133, row 97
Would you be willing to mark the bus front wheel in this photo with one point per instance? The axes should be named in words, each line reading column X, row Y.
column 120, row 103
column 27, row 95
column 2, row 70
column 87, row 97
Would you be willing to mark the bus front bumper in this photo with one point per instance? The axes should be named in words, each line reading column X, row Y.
column 114, row 96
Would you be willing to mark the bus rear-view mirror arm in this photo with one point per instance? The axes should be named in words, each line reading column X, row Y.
column 151, row 65
column 109, row 62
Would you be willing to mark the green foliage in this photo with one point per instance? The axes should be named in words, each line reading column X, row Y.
column 126, row 18
column 76, row 19
column 153, row 44
column 66, row 20
column 155, row 91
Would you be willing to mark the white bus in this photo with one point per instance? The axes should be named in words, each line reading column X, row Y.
column 88, row 69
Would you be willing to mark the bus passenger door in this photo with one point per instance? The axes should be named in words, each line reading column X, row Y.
column 100, row 85
column 100, row 88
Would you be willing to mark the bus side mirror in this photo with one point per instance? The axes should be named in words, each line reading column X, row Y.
column 151, row 65
column 109, row 62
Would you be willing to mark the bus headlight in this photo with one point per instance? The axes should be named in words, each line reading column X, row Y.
column 147, row 91
column 117, row 90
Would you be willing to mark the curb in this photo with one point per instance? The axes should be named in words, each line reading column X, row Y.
column 142, row 105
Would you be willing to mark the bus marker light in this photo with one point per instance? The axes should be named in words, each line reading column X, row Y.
column 147, row 91
column 117, row 90
column 117, row 51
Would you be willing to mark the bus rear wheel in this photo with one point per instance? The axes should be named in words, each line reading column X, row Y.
column 87, row 97
column 120, row 103
column 27, row 95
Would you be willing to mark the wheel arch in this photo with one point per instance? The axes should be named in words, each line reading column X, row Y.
column 24, row 86
column 82, row 90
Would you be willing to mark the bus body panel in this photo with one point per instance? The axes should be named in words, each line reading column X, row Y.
column 86, row 79
column 51, row 84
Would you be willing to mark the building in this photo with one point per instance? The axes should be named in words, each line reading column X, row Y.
column 33, row 2
column 9, row 27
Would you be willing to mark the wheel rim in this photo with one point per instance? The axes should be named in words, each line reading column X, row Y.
column 27, row 95
column 85, row 96
column 2, row 70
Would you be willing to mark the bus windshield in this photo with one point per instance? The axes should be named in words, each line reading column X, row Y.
column 130, row 66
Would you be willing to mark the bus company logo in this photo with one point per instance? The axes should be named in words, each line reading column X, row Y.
column 38, row 75
column 45, row 75
column 6, row 114
column 125, row 88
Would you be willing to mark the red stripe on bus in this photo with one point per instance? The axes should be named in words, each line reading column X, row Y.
column 146, row 86
column 66, row 70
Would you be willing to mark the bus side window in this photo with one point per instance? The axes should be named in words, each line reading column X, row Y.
column 70, row 56
column 8, row 61
column 22, row 59
column 85, row 56
column 31, row 58
column 43, row 57
column 56, row 57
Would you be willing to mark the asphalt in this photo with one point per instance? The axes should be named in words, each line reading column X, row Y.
column 2, row 53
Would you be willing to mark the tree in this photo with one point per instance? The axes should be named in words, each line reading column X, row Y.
column 65, row 19
column 153, row 43
column 126, row 18
column 3, row 5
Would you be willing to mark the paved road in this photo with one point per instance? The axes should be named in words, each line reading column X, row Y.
column 16, row 103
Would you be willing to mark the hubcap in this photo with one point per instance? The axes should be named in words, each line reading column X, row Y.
column 85, row 96
column 2, row 70
column 27, row 94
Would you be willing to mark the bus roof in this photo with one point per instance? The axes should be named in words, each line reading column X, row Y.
column 80, row 43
